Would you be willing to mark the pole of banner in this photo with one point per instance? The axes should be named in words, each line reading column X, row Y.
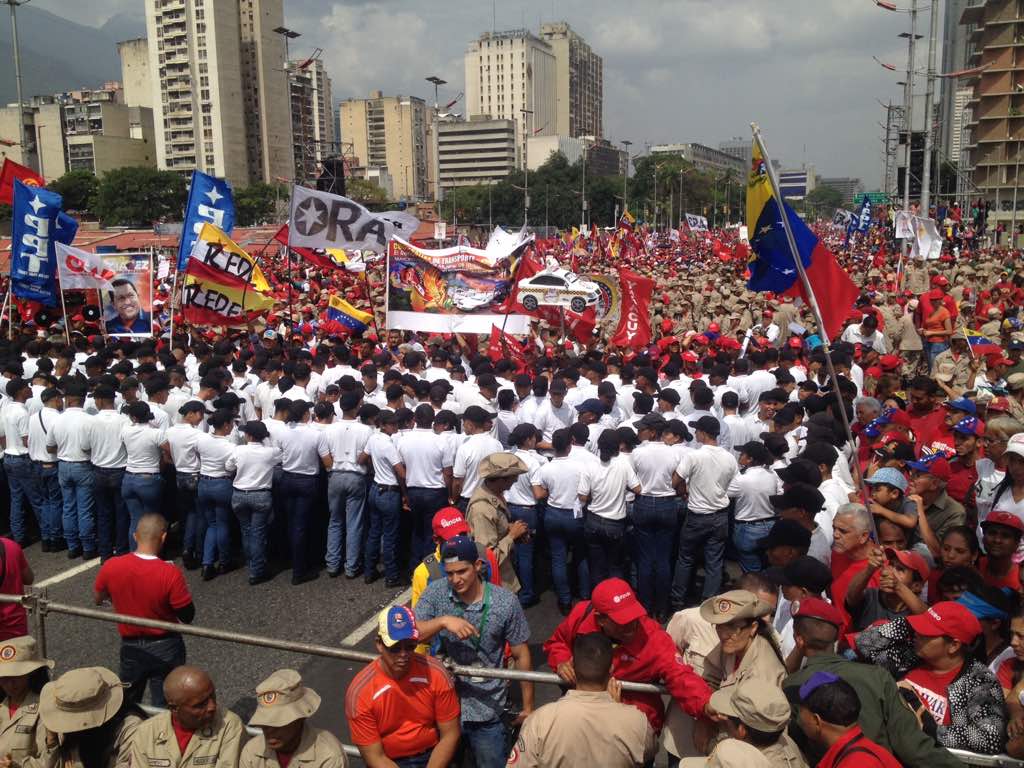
column 813, row 301
column 6, row 308
column 369, row 299
column 174, row 293
column 64, row 309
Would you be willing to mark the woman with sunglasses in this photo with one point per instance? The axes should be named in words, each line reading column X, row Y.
column 992, row 468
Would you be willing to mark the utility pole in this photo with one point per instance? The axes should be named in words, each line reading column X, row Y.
column 625, row 177
column 583, row 189
column 929, row 96
column 22, row 136
column 908, row 113
column 655, row 164
column 526, row 166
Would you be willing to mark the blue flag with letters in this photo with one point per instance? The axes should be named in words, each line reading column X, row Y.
column 864, row 220
column 37, row 224
column 209, row 201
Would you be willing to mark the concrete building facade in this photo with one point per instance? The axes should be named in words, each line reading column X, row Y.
column 511, row 71
column 954, row 59
column 390, row 132
column 796, row 184
column 579, row 82
column 136, row 78
column 475, row 151
column 198, row 103
column 704, row 158
column 539, row 149
column 851, row 189
column 738, row 147
column 268, row 130
column 313, row 135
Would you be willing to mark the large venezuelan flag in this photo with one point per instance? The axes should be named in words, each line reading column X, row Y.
column 354, row 319
column 772, row 267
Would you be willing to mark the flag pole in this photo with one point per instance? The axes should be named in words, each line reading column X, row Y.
column 64, row 309
column 813, row 301
column 174, row 292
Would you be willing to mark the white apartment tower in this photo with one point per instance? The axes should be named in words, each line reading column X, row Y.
column 268, row 130
column 508, row 72
column 198, row 106
column 579, row 89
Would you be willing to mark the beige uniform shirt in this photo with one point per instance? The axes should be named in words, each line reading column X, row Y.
column 962, row 368
column 155, row 745
column 487, row 516
column 584, row 728
column 904, row 335
column 784, row 753
column 68, row 757
column 23, row 735
column 317, row 749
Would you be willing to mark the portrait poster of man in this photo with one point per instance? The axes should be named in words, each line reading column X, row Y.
column 126, row 305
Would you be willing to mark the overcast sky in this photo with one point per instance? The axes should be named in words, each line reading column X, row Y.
column 674, row 70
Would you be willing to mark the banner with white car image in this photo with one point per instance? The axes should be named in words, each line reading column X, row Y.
column 450, row 290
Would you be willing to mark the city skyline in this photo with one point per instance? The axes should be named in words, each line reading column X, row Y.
column 688, row 70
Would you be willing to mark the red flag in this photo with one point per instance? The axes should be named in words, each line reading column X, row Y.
column 527, row 266
column 503, row 345
column 635, row 316
column 11, row 171
column 832, row 287
column 314, row 256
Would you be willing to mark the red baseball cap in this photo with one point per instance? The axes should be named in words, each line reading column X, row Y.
column 901, row 419
column 940, row 280
column 796, row 343
column 946, row 619
column 615, row 599
column 714, row 327
column 449, row 522
column 816, row 608
column 690, row 357
column 1008, row 519
column 890, row 362
column 666, row 326
column 911, row 560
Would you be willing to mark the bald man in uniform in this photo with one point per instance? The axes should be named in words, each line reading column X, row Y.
column 194, row 732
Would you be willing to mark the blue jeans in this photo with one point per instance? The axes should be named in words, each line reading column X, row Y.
column 254, row 510
column 50, row 518
column 655, row 519
column 298, row 492
column 565, row 536
column 700, row 532
column 933, row 349
column 149, row 659
column 142, row 494
column 745, row 538
column 76, row 487
column 111, row 512
column 214, row 499
column 413, row 761
column 385, row 512
column 423, row 503
column 346, row 500
column 488, row 742
column 606, row 547
column 523, row 551
column 192, row 519
column 24, row 485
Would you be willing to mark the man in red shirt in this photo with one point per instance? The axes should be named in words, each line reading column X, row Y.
column 829, row 709
column 851, row 544
column 926, row 416
column 141, row 584
column 402, row 708
column 644, row 652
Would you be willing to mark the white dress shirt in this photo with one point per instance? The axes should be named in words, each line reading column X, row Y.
column 467, row 460
column 182, row 440
column 384, row 455
column 655, row 463
column 70, row 435
column 751, row 489
column 253, row 465
column 346, row 441
column 708, row 472
column 142, row 444
column 214, row 452
column 549, row 418
column 106, row 448
column 301, row 449
column 39, row 427
column 425, row 455
column 15, row 418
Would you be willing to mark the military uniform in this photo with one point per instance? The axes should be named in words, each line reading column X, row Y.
column 960, row 367
column 21, row 736
column 1015, row 383
column 488, row 517
column 217, row 746
column 584, row 728
column 762, row 706
column 317, row 749
column 729, row 753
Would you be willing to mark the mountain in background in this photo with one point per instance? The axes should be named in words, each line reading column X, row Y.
column 59, row 55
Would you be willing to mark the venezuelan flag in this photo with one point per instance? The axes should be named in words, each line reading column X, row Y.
column 771, row 265
column 354, row 319
column 981, row 345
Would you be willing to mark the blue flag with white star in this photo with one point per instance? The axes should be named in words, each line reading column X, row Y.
column 209, row 201
column 36, row 225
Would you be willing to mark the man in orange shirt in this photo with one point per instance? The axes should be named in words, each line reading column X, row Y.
column 402, row 709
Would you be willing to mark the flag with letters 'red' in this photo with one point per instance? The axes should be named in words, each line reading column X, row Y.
column 354, row 319
column 772, row 267
column 215, row 257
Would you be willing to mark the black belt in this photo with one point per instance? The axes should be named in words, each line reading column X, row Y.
column 143, row 639
column 387, row 487
column 146, row 474
column 211, row 477
column 252, row 490
column 761, row 520
column 68, row 461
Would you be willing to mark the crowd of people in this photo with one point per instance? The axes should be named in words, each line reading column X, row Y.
column 697, row 508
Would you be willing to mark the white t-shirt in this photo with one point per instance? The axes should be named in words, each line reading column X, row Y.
column 561, row 478
column 425, row 455
column 142, row 443
column 708, row 472
column 384, row 456
column 468, row 457
column 607, row 485
column 752, row 488
column 654, row 463
column 521, row 492
column 182, row 439
column 253, row 465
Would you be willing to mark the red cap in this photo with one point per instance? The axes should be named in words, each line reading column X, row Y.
column 449, row 522
column 889, row 362
column 816, row 608
column 616, row 600
column 715, row 328
column 946, row 619
column 911, row 560
column 690, row 357
column 768, row 313
column 796, row 343
column 940, row 280
column 666, row 326
column 936, row 468
column 874, row 371
column 999, row 405
column 1008, row 519
column 998, row 359
column 700, row 339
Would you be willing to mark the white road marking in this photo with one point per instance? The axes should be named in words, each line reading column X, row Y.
column 70, row 573
column 358, row 634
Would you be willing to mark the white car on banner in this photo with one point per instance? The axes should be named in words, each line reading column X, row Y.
column 559, row 288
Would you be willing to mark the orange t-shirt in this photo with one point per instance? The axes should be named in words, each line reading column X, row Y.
column 936, row 322
column 401, row 714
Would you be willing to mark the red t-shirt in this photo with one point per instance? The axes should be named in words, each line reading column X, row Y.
column 284, row 759
column 183, row 736
column 13, row 617
column 933, row 690
column 147, row 587
column 1010, row 579
column 401, row 714
column 843, row 570
column 1004, row 673
column 855, row 750
column 924, row 425
column 961, row 482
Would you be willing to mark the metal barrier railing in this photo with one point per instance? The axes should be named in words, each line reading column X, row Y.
column 39, row 605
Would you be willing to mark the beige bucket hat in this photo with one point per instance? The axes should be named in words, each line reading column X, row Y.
column 20, row 656
column 283, row 699
column 81, row 699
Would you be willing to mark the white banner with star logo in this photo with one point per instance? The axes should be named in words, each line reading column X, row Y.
column 322, row 220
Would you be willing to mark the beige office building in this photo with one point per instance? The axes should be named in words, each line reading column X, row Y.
column 268, row 129
column 136, row 79
column 476, row 151
column 579, row 82
column 312, row 117
column 198, row 104
column 390, row 132
column 508, row 72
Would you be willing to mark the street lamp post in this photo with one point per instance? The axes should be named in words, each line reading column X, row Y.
column 298, row 163
column 17, row 79
column 526, row 167
column 625, row 176
column 436, row 169
column 583, row 190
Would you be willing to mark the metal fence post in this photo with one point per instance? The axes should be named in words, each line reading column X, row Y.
column 37, row 602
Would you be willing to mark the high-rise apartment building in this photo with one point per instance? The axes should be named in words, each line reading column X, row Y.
column 475, row 151
column 136, row 79
column 268, row 129
column 954, row 58
column 198, row 104
column 995, row 127
column 389, row 131
column 579, row 82
column 312, row 116
column 509, row 72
